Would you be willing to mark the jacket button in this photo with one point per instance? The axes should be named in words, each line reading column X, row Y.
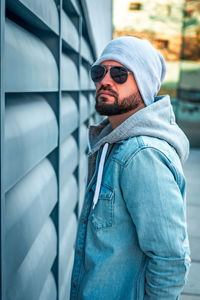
column 83, row 221
column 79, row 252
column 74, row 285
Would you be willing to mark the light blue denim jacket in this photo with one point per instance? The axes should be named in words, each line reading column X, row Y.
column 133, row 245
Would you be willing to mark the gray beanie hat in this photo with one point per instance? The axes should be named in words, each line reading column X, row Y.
column 140, row 57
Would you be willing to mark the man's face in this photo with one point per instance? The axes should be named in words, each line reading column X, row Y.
column 113, row 98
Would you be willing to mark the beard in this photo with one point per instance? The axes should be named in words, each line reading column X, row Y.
column 127, row 104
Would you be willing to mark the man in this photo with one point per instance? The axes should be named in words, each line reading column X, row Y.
column 132, row 239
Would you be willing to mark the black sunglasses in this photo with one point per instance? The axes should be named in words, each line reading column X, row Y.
column 118, row 73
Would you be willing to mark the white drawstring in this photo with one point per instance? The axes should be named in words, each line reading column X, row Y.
column 99, row 175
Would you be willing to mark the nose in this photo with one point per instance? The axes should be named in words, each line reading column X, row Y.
column 107, row 79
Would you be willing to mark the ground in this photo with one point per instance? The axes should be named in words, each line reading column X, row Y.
column 192, row 173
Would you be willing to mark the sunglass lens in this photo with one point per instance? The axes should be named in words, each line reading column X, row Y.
column 119, row 74
column 97, row 73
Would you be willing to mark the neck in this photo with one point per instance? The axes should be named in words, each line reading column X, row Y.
column 116, row 120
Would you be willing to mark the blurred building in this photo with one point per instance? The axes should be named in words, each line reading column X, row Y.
column 159, row 21
column 163, row 22
column 191, row 30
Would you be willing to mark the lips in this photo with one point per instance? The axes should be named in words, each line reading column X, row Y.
column 105, row 93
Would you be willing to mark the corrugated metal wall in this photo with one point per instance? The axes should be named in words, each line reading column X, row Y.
column 47, row 103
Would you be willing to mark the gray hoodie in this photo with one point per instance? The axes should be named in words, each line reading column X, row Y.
column 156, row 120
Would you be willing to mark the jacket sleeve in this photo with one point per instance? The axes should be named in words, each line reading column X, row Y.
column 154, row 195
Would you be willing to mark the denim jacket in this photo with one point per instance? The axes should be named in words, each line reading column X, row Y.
column 133, row 243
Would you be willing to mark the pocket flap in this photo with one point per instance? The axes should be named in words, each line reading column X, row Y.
column 106, row 193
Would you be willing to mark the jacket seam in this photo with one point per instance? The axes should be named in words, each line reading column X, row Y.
column 171, row 166
column 140, row 144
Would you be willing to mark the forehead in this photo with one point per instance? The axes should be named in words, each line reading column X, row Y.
column 111, row 62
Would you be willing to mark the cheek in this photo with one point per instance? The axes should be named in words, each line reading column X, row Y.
column 128, row 88
column 124, row 91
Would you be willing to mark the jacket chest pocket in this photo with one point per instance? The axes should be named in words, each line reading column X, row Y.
column 102, row 215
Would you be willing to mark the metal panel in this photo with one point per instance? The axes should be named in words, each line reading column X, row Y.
column 69, row 158
column 91, row 85
column 49, row 100
column 30, row 129
column 85, row 83
column 2, row 154
column 85, row 50
column 45, row 10
column 100, row 23
column 32, row 274
column 70, row 80
column 65, row 256
column 66, row 285
column 92, row 103
column 83, row 138
column 27, row 70
column 32, row 198
column 76, row 5
column 66, row 247
column 69, row 116
column 84, row 108
column 70, row 34
column 73, row 7
column 83, row 164
column 91, row 121
column 83, row 179
column 49, row 291
column 68, row 201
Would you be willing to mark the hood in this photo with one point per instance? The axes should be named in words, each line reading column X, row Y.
column 156, row 120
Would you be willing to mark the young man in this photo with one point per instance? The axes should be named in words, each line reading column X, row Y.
column 132, row 241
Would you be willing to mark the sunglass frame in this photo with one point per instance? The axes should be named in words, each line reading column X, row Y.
column 109, row 68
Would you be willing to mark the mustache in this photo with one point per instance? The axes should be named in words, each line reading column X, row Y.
column 106, row 88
